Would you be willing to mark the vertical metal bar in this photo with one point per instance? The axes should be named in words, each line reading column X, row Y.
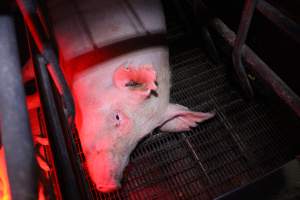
column 29, row 10
column 15, row 129
column 66, row 176
column 60, row 82
column 245, row 22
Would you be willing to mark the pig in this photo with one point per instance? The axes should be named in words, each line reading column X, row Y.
column 118, row 101
column 116, row 108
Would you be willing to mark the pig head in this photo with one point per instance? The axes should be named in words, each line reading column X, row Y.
column 118, row 103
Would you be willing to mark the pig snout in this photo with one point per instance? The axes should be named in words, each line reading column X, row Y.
column 105, row 170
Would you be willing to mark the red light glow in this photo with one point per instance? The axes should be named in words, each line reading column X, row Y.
column 4, row 183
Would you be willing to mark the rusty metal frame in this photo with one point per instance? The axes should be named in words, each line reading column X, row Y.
column 288, row 26
column 241, row 52
column 260, row 68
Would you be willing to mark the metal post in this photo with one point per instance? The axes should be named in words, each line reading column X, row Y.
column 15, row 130
column 245, row 22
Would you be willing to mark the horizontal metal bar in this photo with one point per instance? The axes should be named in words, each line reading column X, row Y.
column 15, row 130
column 260, row 68
column 291, row 28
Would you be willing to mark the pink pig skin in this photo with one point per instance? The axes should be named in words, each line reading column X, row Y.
column 111, row 119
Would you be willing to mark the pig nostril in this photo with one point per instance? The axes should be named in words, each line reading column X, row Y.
column 108, row 188
column 99, row 188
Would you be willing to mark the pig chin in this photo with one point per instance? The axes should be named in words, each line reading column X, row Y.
column 105, row 171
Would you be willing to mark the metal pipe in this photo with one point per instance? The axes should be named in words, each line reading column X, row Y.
column 254, row 63
column 291, row 28
column 29, row 10
column 60, row 83
column 66, row 175
column 15, row 130
column 245, row 22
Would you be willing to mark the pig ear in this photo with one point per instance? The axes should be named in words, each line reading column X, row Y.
column 179, row 118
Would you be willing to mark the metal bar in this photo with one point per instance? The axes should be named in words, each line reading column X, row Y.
column 291, row 28
column 66, row 176
column 245, row 22
column 15, row 130
column 59, row 80
column 29, row 10
column 282, row 90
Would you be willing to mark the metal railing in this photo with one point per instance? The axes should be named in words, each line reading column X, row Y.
column 242, row 54
column 48, row 71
